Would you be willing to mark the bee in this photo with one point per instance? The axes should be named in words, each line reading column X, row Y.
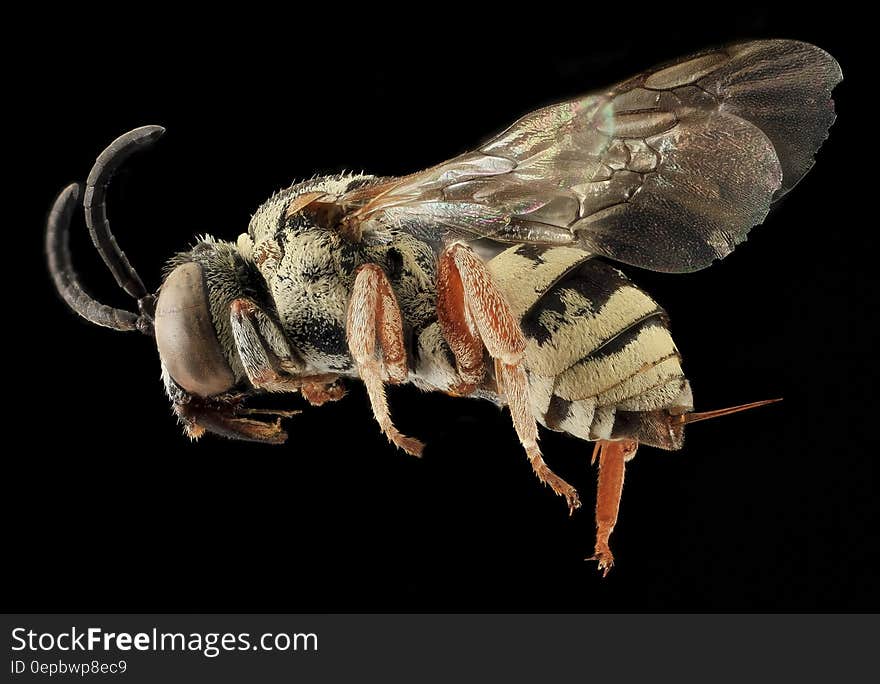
column 490, row 275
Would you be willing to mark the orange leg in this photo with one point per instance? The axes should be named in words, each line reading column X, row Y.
column 374, row 325
column 458, row 326
column 473, row 313
column 613, row 456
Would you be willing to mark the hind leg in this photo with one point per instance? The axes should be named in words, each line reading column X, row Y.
column 612, row 456
column 474, row 314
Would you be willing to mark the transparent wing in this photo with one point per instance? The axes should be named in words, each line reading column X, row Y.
column 667, row 171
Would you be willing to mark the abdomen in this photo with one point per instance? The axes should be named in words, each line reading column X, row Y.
column 601, row 361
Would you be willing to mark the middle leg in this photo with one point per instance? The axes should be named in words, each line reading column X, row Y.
column 374, row 328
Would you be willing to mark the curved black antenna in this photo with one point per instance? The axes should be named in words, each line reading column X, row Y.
column 95, row 206
column 66, row 281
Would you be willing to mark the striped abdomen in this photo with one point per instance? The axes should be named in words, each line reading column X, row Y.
column 601, row 360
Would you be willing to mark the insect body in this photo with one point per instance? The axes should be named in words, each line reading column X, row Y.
column 488, row 275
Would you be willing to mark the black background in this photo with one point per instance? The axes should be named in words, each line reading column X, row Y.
column 110, row 508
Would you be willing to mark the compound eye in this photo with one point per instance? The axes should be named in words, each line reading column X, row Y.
column 185, row 334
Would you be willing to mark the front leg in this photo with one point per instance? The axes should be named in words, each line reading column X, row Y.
column 265, row 355
column 374, row 327
column 263, row 362
column 474, row 313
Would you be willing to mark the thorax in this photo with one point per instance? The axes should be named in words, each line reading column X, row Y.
column 310, row 272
